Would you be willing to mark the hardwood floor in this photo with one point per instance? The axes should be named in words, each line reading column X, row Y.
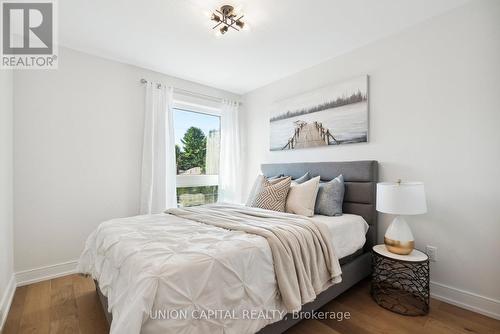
column 70, row 305
column 63, row 305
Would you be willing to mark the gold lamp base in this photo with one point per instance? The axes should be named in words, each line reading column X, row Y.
column 399, row 247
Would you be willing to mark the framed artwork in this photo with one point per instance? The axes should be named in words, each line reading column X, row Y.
column 332, row 115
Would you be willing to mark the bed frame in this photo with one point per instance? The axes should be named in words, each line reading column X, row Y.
column 360, row 194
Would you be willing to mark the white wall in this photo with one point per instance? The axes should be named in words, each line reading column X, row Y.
column 77, row 154
column 6, row 192
column 434, row 117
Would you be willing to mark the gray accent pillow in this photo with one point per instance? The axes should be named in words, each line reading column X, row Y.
column 330, row 197
column 303, row 178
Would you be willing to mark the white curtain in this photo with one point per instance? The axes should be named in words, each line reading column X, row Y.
column 229, row 169
column 158, row 190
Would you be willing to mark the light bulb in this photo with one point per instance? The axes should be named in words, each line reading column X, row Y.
column 215, row 18
column 240, row 24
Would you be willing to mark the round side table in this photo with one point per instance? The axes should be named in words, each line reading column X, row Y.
column 400, row 283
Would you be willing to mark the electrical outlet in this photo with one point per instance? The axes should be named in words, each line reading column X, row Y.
column 432, row 253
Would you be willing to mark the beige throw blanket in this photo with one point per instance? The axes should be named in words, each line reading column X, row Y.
column 304, row 260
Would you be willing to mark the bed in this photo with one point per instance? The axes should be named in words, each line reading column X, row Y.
column 253, row 277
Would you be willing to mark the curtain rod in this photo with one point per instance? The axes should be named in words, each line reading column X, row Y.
column 190, row 93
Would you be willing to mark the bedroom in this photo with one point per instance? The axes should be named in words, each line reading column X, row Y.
column 140, row 107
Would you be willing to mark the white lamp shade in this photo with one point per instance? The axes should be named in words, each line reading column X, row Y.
column 405, row 198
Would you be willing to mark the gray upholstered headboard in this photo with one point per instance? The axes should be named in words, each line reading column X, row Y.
column 360, row 185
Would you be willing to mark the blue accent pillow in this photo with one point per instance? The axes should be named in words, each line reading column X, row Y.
column 303, row 178
column 330, row 197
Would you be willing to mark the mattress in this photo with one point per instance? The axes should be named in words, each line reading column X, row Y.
column 348, row 232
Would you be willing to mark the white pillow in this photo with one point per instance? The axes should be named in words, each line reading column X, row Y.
column 256, row 188
column 302, row 197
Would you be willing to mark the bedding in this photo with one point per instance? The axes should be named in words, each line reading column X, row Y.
column 256, row 188
column 217, row 257
column 302, row 179
column 272, row 195
column 302, row 197
column 348, row 232
column 258, row 185
column 330, row 197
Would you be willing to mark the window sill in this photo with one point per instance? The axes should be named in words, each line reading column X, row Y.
column 197, row 180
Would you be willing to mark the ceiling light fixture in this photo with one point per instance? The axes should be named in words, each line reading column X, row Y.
column 226, row 18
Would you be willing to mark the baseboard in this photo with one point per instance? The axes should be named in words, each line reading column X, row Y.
column 45, row 273
column 480, row 304
column 6, row 300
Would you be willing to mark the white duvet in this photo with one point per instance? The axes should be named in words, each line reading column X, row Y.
column 166, row 274
column 165, row 263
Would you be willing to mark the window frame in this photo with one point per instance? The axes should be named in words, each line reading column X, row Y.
column 185, row 181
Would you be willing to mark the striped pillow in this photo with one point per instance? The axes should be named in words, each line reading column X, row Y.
column 273, row 195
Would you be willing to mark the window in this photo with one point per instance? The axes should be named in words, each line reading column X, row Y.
column 197, row 151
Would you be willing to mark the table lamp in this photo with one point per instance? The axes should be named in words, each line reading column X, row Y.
column 400, row 198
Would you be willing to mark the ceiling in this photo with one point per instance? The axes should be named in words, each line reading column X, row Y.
column 175, row 37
